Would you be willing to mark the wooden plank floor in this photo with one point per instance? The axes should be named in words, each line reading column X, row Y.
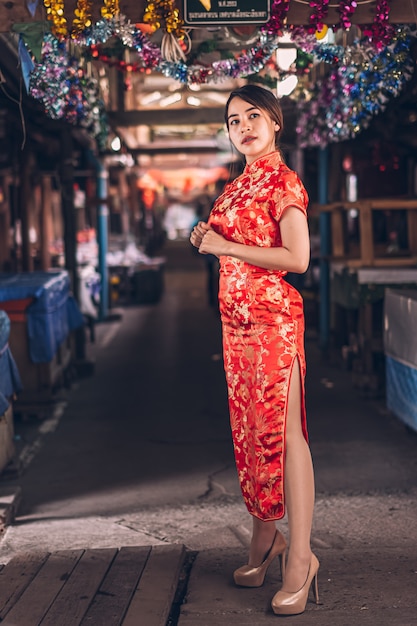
column 132, row 586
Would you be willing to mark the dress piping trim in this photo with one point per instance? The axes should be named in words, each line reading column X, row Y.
column 303, row 427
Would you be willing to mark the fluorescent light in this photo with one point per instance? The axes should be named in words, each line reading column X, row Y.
column 150, row 97
column 116, row 144
column 175, row 97
column 285, row 38
column 217, row 97
column 286, row 57
column 287, row 86
column 193, row 101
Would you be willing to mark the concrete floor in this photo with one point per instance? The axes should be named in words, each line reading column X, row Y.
column 141, row 454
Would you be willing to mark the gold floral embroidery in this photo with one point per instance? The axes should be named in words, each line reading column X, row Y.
column 263, row 329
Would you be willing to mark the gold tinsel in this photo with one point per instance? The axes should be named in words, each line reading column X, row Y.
column 55, row 14
column 110, row 9
column 164, row 14
column 82, row 19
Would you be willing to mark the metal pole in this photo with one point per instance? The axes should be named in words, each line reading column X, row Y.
column 324, row 226
column 102, row 236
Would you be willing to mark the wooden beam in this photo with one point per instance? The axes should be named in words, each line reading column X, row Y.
column 338, row 239
column 66, row 171
column 5, row 212
column 412, row 231
column 15, row 11
column 409, row 261
column 366, row 234
column 46, row 226
column 164, row 117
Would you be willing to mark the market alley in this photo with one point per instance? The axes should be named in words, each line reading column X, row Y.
column 140, row 454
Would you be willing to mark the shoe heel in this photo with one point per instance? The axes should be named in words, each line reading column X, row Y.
column 316, row 589
column 282, row 562
column 294, row 603
column 247, row 576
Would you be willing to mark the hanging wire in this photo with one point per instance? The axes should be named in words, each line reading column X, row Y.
column 18, row 102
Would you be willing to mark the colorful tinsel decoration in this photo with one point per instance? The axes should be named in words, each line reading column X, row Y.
column 82, row 17
column 319, row 10
column 380, row 32
column 346, row 10
column 247, row 62
column 164, row 14
column 361, row 79
column 110, row 9
column 344, row 102
column 65, row 90
column 55, row 14
column 278, row 18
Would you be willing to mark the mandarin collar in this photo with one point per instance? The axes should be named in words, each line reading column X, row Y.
column 272, row 158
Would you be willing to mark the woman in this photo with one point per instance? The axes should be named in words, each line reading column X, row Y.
column 258, row 229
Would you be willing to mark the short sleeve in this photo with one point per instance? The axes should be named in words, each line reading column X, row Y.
column 289, row 191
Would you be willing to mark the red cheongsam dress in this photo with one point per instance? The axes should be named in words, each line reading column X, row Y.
column 263, row 329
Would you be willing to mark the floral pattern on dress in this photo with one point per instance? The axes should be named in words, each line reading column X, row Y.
column 263, row 329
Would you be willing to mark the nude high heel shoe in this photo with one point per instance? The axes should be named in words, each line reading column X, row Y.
column 285, row 603
column 247, row 576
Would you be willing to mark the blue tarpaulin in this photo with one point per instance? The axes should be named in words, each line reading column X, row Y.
column 10, row 382
column 52, row 314
column 402, row 391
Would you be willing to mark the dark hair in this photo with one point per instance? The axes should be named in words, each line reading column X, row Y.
column 262, row 99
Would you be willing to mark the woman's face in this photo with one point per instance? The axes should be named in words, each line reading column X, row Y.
column 251, row 130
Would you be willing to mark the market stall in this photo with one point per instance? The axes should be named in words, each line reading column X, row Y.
column 400, row 347
column 43, row 315
column 10, row 385
column 373, row 246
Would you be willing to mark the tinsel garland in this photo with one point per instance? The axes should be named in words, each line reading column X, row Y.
column 82, row 17
column 63, row 88
column 380, row 32
column 319, row 10
column 110, row 9
column 344, row 102
column 164, row 14
column 278, row 18
column 66, row 92
column 246, row 63
column 346, row 10
column 55, row 14
column 135, row 67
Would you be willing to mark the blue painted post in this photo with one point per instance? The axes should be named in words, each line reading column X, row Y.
column 102, row 236
column 324, row 226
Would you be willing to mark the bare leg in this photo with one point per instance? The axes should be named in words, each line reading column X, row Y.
column 262, row 538
column 299, row 489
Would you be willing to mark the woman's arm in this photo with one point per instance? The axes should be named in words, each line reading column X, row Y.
column 293, row 256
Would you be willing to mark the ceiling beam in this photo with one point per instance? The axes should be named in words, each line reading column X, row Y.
column 167, row 117
column 155, row 149
column 15, row 11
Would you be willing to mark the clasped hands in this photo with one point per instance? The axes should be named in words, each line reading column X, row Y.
column 207, row 240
